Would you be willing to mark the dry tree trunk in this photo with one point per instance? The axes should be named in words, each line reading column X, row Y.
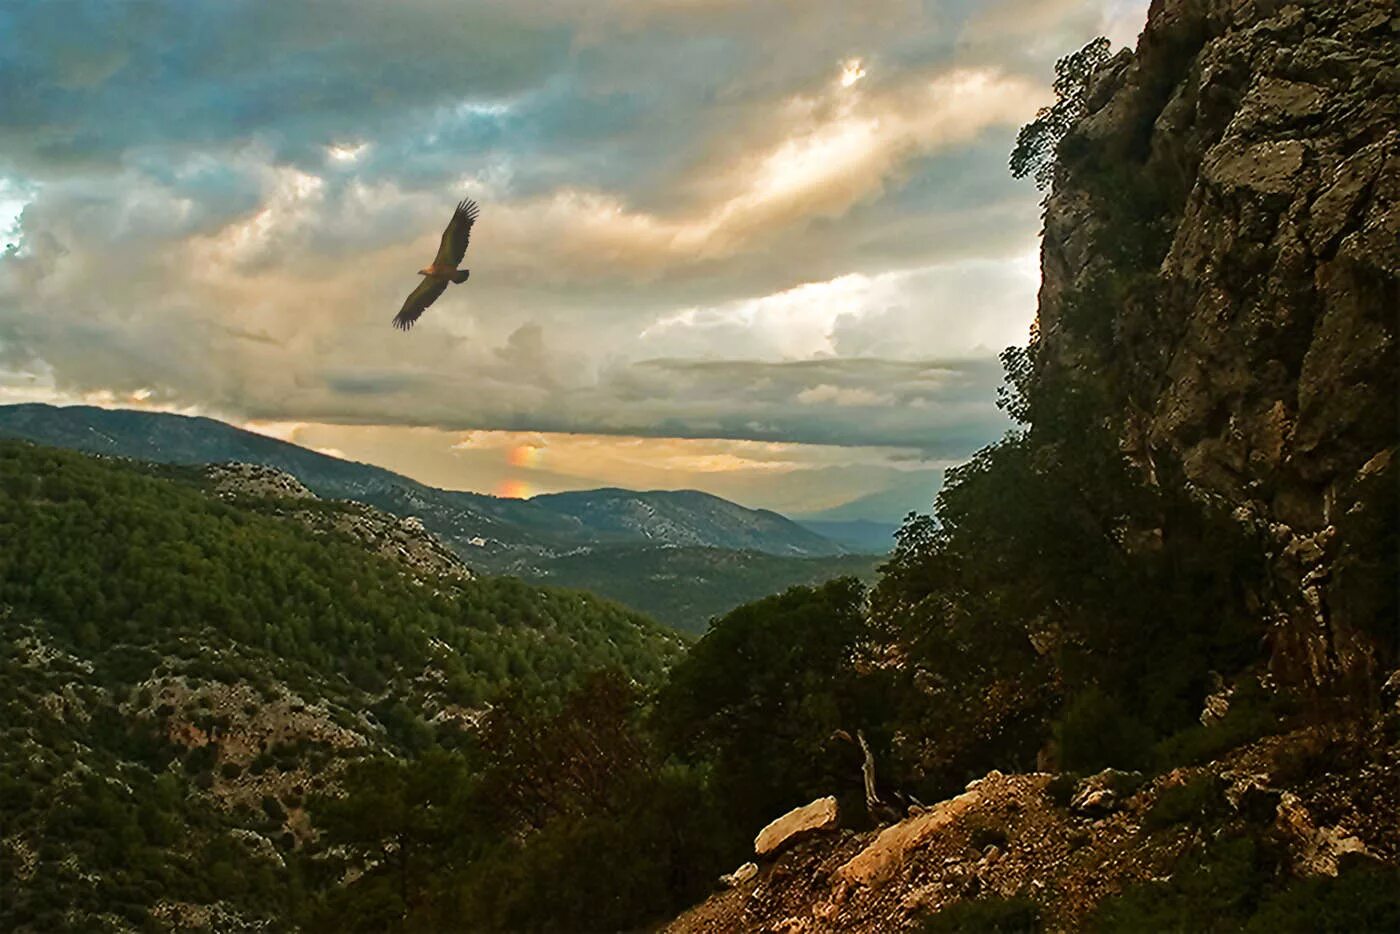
column 873, row 805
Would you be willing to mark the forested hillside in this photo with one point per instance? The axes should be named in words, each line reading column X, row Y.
column 688, row 587
column 182, row 673
column 680, row 556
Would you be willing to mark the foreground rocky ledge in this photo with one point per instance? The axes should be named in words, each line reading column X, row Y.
column 1067, row 843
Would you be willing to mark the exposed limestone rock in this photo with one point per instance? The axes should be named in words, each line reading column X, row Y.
column 23, row 856
column 1264, row 369
column 1390, row 691
column 257, row 844
column 879, row 881
column 878, row 862
column 403, row 540
column 1105, row 792
column 993, row 775
column 247, row 731
column 820, row 815
column 1261, row 374
column 741, row 875
column 1267, row 168
column 1217, row 702
column 255, row 480
column 1319, row 848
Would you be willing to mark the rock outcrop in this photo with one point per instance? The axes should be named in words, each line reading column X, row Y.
column 1104, row 793
column 234, row 480
column 1013, row 836
column 402, row 539
column 879, row 861
column 1230, row 202
column 796, row 824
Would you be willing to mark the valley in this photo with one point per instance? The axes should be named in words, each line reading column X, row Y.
column 682, row 557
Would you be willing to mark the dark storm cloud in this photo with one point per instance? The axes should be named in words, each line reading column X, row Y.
column 88, row 82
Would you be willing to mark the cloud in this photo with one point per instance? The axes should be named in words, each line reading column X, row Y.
column 689, row 230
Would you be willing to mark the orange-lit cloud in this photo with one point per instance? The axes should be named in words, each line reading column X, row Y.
column 525, row 455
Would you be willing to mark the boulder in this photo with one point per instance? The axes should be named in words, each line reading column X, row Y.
column 1217, row 702
column 818, row 816
column 1317, row 851
column 879, row 861
column 739, row 876
column 1104, row 792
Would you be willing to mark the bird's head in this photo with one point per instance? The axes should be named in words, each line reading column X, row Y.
column 425, row 271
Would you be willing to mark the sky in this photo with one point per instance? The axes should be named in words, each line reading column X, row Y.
column 765, row 248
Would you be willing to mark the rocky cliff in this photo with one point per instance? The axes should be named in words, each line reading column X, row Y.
column 1221, row 285
column 1221, row 258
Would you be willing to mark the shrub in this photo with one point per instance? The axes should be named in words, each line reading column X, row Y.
column 1253, row 713
column 1197, row 799
column 1095, row 733
column 1060, row 789
column 1213, row 891
column 273, row 809
column 1365, row 898
column 1235, row 885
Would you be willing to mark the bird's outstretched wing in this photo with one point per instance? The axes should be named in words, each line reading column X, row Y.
column 454, row 239
column 418, row 301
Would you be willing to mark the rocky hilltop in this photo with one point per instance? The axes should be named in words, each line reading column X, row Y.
column 1254, row 283
column 401, row 539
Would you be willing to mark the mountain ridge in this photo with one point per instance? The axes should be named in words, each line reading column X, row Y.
column 489, row 532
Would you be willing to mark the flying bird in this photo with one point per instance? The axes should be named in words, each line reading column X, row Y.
column 444, row 266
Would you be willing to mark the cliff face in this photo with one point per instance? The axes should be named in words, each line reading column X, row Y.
column 1222, row 259
column 1221, row 264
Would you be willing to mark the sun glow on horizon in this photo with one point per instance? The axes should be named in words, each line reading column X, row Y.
column 515, row 489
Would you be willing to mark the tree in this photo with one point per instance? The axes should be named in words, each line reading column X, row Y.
column 761, row 695
column 1039, row 141
column 403, row 823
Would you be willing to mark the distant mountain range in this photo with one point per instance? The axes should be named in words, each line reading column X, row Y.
column 490, row 533
column 860, row 536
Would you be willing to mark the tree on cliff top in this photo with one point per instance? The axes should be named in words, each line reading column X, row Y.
column 1038, row 140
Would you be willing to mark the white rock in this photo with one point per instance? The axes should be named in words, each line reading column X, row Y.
column 811, row 818
column 741, row 875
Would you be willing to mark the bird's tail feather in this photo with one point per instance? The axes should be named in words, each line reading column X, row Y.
column 460, row 277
